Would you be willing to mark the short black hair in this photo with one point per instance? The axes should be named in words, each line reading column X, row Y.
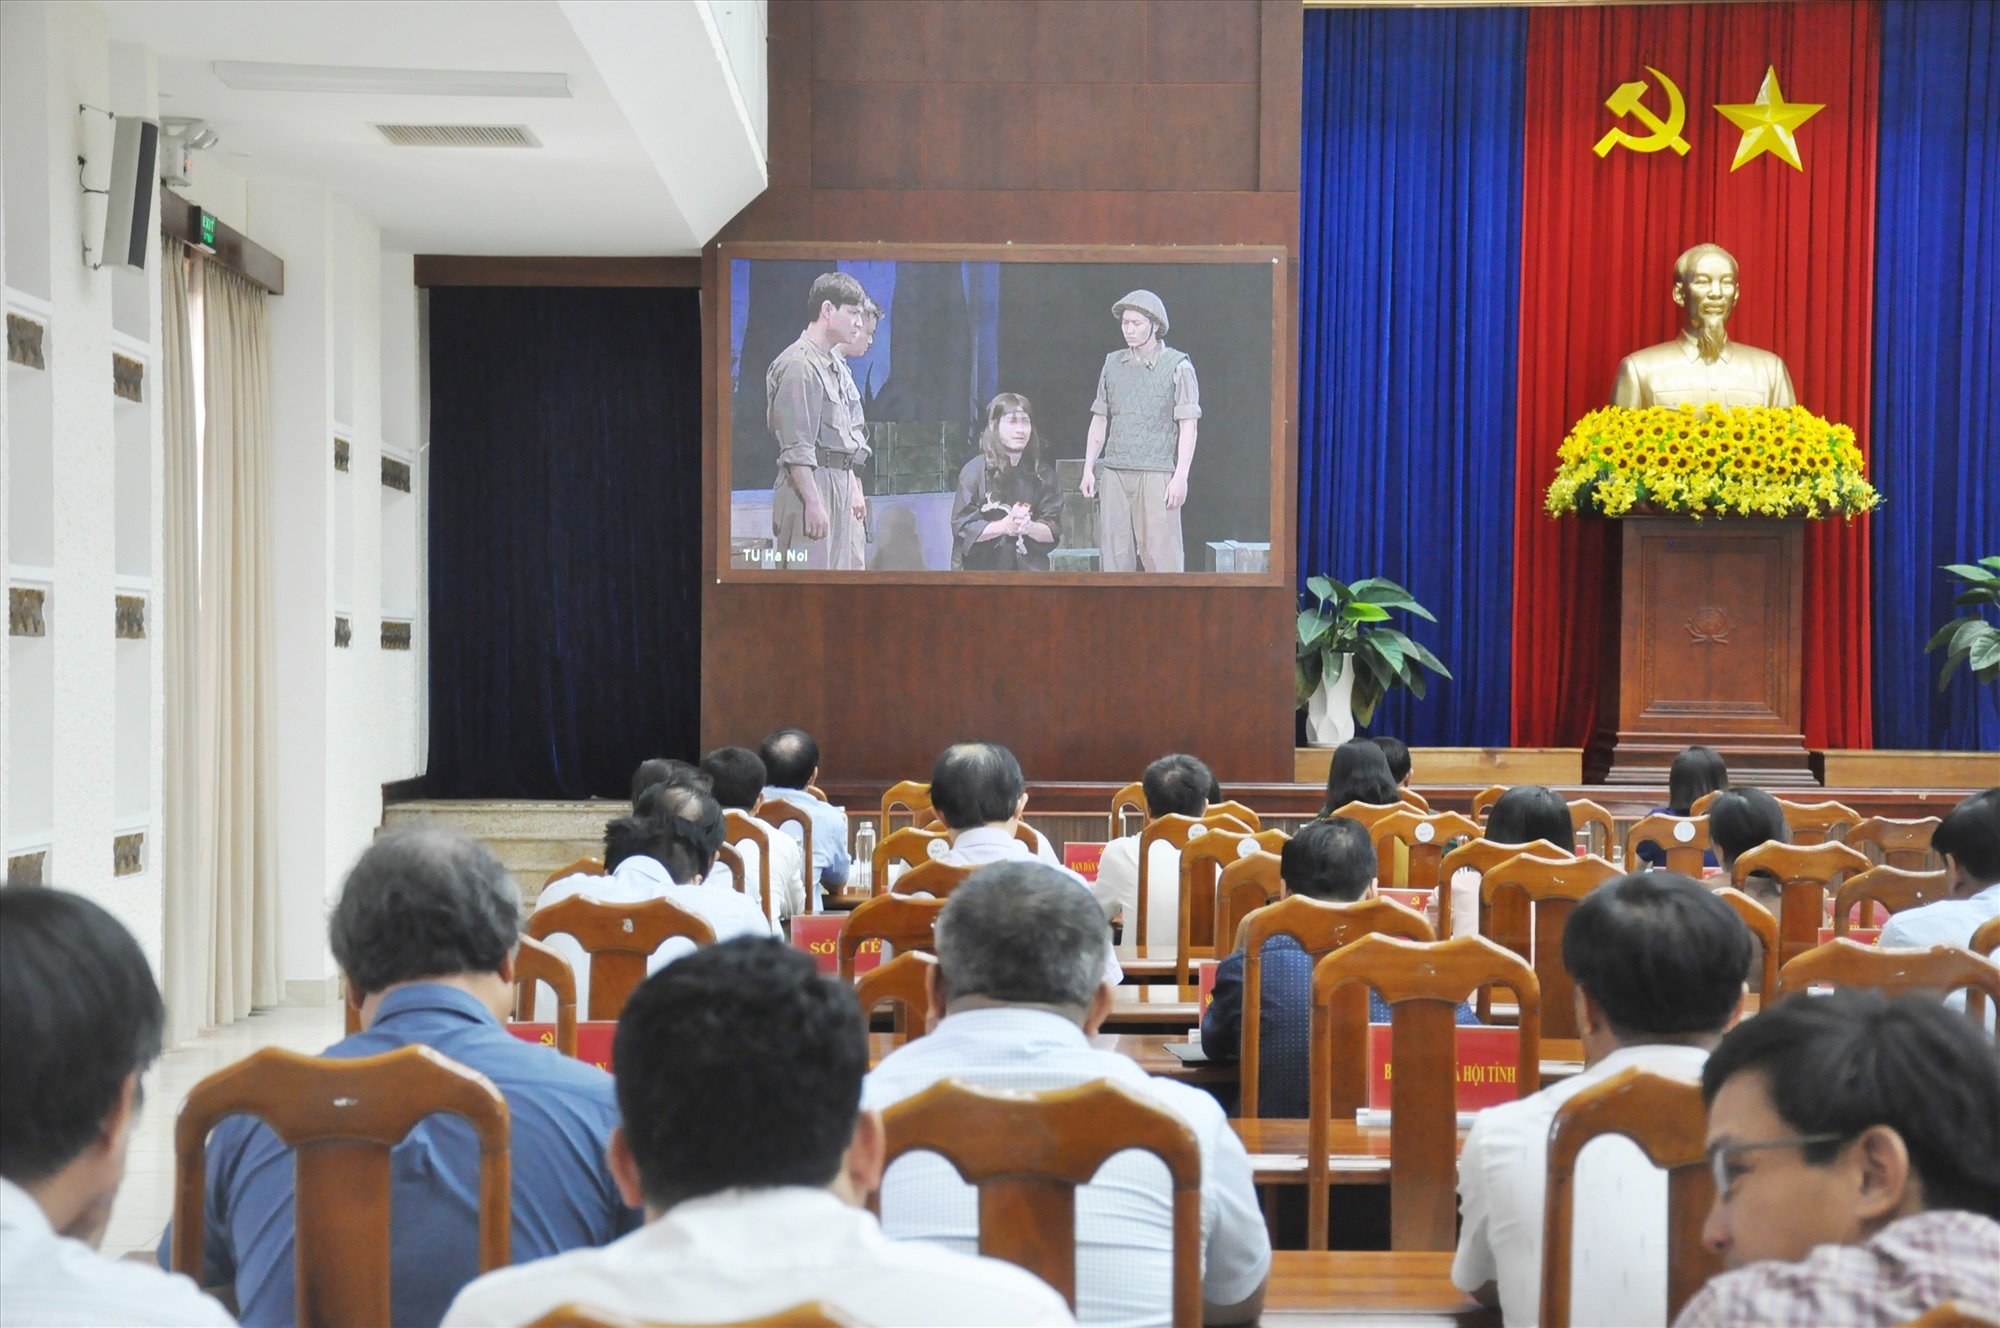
column 1741, row 819
column 790, row 758
column 1970, row 832
column 739, row 1066
column 664, row 770
column 1660, row 954
column 735, row 776
column 1695, row 772
column 1359, row 772
column 1528, row 812
column 82, row 1016
column 1177, row 785
column 678, row 826
column 1852, row 1058
column 975, row 784
column 1397, row 753
column 838, row 288
column 424, row 901
column 1329, row 859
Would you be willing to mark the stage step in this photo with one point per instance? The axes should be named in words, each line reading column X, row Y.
column 531, row 839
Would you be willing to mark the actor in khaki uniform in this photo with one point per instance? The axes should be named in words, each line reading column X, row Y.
column 814, row 497
column 1142, row 432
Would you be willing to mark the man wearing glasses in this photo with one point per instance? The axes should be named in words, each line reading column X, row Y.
column 1856, row 1147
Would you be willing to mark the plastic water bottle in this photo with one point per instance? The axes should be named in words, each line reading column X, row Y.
column 859, row 879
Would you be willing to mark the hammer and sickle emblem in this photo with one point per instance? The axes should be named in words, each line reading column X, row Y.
column 1627, row 100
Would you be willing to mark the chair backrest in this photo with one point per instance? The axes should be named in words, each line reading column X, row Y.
column 727, row 857
column 1763, row 924
column 1424, row 834
column 930, row 877
column 1482, row 801
column 909, row 847
column 1370, row 814
column 1905, row 844
column 777, row 813
column 1684, row 839
column 535, row 963
column 903, row 982
column 1985, row 941
column 1666, row 1119
column 1597, row 820
column 900, row 922
column 1174, row 830
column 1510, row 915
column 341, row 1118
column 1700, row 806
column 1247, row 884
column 619, row 938
column 810, row 1315
column 1198, row 927
column 1422, row 983
column 1408, row 795
column 581, row 867
column 1128, row 801
column 1844, row 962
column 1893, row 888
column 1320, row 927
column 911, row 798
column 1552, row 887
column 1239, row 811
column 1027, row 1152
column 1955, row 1314
column 1818, row 822
column 739, row 827
column 1805, row 873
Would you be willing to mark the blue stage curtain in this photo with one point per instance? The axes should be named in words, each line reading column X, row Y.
column 565, row 538
column 1937, row 358
column 1409, row 254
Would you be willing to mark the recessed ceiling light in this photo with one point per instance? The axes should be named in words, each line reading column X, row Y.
column 250, row 76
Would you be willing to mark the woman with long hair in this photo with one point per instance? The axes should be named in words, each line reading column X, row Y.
column 1359, row 773
column 1005, row 513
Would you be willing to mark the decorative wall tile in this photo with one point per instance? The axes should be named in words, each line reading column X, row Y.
column 341, row 455
column 128, row 377
column 395, row 474
column 395, row 635
column 343, row 631
column 131, row 621
column 28, row 868
column 24, row 342
column 128, row 854
column 25, row 606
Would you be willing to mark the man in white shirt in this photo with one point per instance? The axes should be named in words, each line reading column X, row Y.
column 1174, row 786
column 663, row 851
column 791, row 763
column 736, row 777
column 739, row 1078
column 1659, row 963
column 1968, row 839
column 82, row 1023
column 1019, row 978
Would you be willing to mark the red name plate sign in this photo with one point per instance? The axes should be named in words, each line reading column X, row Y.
column 593, row 1039
column 1420, row 900
column 1205, row 982
column 818, row 934
column 1488, row 1065
column 1861, row 935
column 1083, row 859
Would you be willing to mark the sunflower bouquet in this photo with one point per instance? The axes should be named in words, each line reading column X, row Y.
column 1710, row 461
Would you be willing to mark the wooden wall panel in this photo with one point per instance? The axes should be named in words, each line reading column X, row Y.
column 1032, row 121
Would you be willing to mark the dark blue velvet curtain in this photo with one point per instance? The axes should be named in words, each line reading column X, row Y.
column 565, row 538
column 1410, row 221
column 1936, row 445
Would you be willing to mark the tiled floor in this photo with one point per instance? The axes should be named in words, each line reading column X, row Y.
column 146, row 1199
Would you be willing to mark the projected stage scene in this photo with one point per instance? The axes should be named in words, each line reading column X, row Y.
column 1001, row 413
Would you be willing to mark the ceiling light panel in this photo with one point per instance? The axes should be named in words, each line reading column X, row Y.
column 250, row 76
column 458, row 136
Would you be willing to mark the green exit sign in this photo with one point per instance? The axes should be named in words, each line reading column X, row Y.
column 207, row 228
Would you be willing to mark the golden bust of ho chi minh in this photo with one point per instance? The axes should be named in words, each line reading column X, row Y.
column 1703, row 366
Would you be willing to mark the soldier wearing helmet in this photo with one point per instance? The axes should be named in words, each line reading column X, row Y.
column 1141, row 443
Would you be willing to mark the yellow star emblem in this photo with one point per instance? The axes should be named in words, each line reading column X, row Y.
column 1768, row 122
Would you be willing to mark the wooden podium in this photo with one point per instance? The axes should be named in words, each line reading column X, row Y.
column 1708, row 650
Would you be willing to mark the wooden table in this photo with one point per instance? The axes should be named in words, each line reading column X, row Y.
column 1352, row 1286
column 1152, row 1009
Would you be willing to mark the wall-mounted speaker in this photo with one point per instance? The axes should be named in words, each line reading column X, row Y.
column 128, row 212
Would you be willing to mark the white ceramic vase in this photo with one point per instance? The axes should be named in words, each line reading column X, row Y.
column 1330, row 709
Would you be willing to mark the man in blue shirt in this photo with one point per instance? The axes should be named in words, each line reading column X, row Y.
column 426, row 929
column 791, row 761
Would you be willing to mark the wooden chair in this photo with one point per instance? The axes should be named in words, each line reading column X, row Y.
column 1482, row 801
column 1422, row 984
column 1763, row 924
column 1424, row 834
column 1027, row 1152
column 725, row 856
column 1844, row 962
column 777, row 813
column 909, row 797
column 1805, row 875
column 1510, row 916
column 1370, row 813
column 619, row 938
column 1955, row 1314
column 1684, row 839
column 818, row 792
column 908, row 847
column 1893, row 888
column 810, row 1315
column 1586, row 816
column 1237, row 810
column 1700, row 806
column 535, row 963
column 581, row 867
column 1905, row 844
column 1173, row 830
column 1127, row 801
column 898, row 921
column 1025, row 833
column 1818, row 822
column 903, row 983
column 739, row 827
column 1202, row 863
column 930, row 877
column 1409, row 796
column 1320, row 927
column 1552, row 887
column 1247, row 884
column 1666, row 1119
column 1985, row 942
column 341, row 1118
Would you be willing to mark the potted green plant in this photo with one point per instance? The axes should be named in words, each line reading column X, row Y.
column 1348, row 656
column 1971, row 640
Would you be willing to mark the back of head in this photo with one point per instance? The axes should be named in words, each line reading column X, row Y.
column 738, row 1066
column 1397, row 753
column 81, row 1016
column 1695, row 772
column 664, row 770
column 1177, row 785
column 1359, row 773
column 1851, row 1059
column 424, row 902
column 1970, row 832
column 1661, row 955
column 1529, row 812
column 1331, row 859
column 1021, row 932
column 736, row 776
column 1743, row 818
column 975, row 784
column 678, row 826
column 791, row 758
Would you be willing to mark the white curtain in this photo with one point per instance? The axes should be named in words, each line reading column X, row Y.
column 184, row 967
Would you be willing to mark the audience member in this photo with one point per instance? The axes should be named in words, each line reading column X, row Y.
column 1856, row 1147
column 1522, row 815
column 1174, row 786
column 1968, row 841
column 1397, row 753
column 664, row 851
column 739, row 1082
column 664, row 770
column 1742, row 819
column 1695, row 773
column 82, row 1023
column 1331, row 860
column 736, row 776
column 1020, row 979
column 979, row 792
column 1658, row 962
column 425, row 931
column 791, row 763
column 1359, row 772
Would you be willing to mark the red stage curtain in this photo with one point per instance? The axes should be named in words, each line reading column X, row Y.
column 1599, row 238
